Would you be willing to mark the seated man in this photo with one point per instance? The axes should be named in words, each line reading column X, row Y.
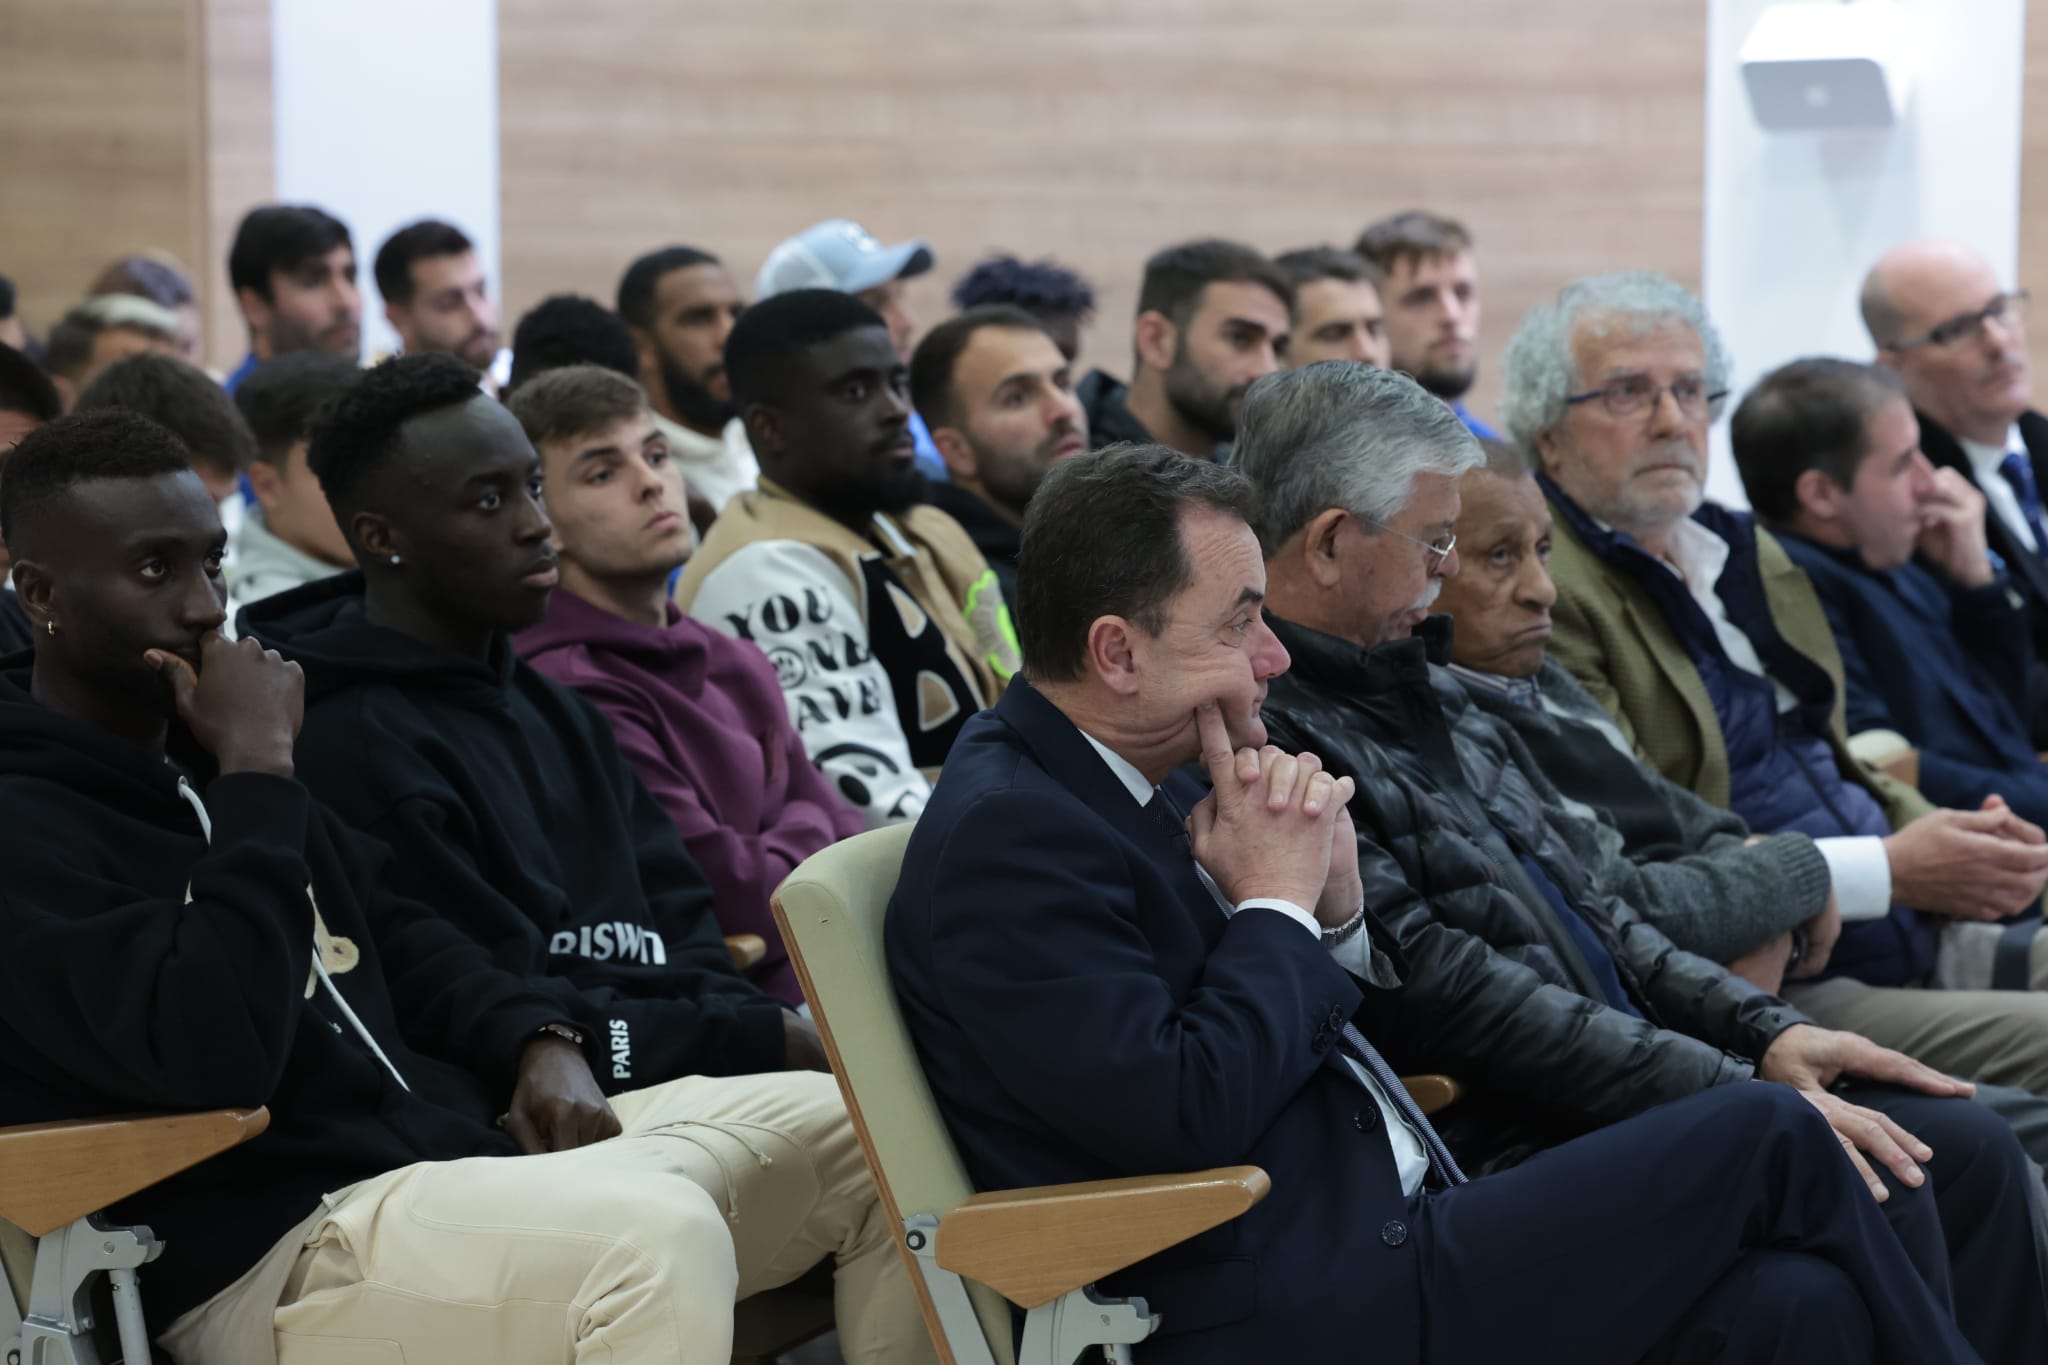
column 162, row 279
column 1062, row 301
column 509, row 809
column 1173, row 993
column 27, row 400
column 293, row 269
column 1430, row 282
column 102, row 330
column 438, row 298
column 998, row 397
column 1933, row 632
column 1357, row 471
column 841, row 254
column 1726, row 895
column 182, row 397
column 289, row 538
column 198, row 412
column 1212, row 317
column 187, row 929
column 568, row 329
column 1337, row 310
column 885, row 625
column 698, row 715
column 1707, row 646
column 1956, row 332
column 13, row 331
column 681, row 304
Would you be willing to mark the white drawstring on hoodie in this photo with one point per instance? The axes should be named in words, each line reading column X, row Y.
column 191, row 798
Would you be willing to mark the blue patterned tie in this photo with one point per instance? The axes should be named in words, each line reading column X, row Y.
column 2018, row 471
column 1163, row 809
column 1447, row 1172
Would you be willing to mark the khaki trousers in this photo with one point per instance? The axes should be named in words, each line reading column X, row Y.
column 1998, row 1037
column 627, row 1251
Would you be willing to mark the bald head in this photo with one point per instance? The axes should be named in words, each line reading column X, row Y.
column 1916, row 278
column 1974, row 381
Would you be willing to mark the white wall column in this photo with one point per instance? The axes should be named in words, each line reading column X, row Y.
column 387, row 112
column 1795, row 219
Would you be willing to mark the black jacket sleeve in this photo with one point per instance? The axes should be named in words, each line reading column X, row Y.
column 1495, row 1022
column 690, row 1015
column 168, row 1003
column 451, row 999
column 1689, row 993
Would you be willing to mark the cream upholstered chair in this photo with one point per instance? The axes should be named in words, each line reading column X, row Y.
column 1041, row 1249
column 54, row 1244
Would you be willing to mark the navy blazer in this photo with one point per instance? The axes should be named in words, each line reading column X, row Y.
column 1943, row 665
column 1084, row 1010
column 2029, row 570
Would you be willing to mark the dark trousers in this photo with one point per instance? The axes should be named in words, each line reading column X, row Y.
column 1979, row 1180
column 1726, row 1227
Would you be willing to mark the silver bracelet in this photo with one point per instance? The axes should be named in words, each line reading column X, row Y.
column 1346, row 931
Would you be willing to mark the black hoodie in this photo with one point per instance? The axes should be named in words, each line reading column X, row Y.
column 152, row 966
column 509, row 809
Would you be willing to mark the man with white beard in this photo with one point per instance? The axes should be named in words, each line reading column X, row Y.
column 1708, row 646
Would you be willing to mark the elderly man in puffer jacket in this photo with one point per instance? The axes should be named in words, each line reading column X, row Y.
column 1358, row 474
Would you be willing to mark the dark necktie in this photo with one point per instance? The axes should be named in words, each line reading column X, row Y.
column 1162, row 809
column 2018, row 472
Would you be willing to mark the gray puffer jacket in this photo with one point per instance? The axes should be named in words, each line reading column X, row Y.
column 1453, row 799
column 1690, row 866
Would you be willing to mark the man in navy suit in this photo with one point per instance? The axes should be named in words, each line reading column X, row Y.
column 1933, row 631
column 1940, row 315
column 1108, row 974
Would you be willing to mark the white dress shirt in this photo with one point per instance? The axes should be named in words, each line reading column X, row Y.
column 1999, row 494
column 1861, row 869
column 1411, row 1159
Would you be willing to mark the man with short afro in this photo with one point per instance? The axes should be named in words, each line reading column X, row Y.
column 885, row 624
column 508, row 807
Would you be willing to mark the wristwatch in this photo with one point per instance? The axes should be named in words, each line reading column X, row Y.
column 1346, row 931
column 567, row 1034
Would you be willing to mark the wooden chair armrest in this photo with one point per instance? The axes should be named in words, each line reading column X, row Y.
column 746, row 949
column 1432, row 1094
column 52, row 1174
column 1031, row 1246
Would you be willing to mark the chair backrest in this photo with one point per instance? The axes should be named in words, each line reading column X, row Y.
column 17, row 1263
column 831, row 911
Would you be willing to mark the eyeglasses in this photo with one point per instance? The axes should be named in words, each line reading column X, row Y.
column 1632, row 395
column 1439, row 550
column 2009, row 309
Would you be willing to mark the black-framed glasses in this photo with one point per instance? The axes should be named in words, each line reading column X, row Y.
column 2009, row 308
column 1439, row 550
column 1632, row 395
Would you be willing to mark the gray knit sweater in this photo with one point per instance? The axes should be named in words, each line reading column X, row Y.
column 1704, row 886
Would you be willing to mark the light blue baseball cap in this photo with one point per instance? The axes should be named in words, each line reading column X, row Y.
column 838, row 254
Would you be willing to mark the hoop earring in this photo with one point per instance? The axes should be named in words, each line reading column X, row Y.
column 50, row 626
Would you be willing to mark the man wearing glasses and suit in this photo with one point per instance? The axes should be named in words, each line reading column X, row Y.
column 1708, row 646
column 1939, row 315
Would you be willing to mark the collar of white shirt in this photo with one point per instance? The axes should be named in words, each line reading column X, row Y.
column 1984, row 460
column 1125, row 770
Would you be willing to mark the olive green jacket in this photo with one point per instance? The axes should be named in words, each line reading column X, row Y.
column 1614, row 640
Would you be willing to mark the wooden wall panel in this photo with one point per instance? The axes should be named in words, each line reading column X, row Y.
column 97, row 141
column 1567, row 133
column 239, row 154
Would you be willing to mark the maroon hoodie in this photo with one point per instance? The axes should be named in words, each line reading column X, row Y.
column 702, row 720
